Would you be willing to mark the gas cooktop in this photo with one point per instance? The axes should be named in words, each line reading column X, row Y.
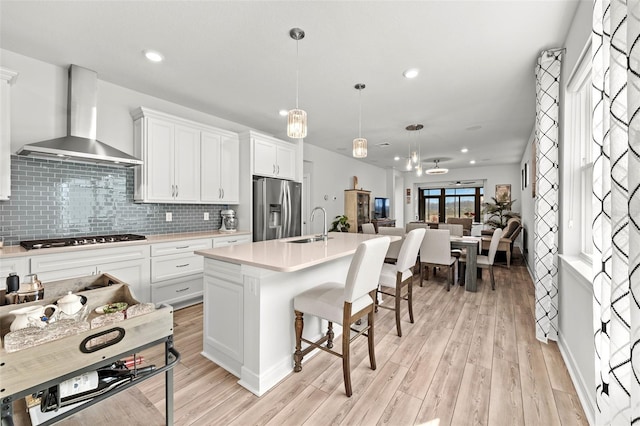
column 80, row 241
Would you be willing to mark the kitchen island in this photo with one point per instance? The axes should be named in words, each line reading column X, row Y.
column 248, row 302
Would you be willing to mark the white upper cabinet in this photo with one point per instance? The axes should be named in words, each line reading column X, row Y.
column 273, row 158
column 220, row 162
column 184, row 161
column 6, row 77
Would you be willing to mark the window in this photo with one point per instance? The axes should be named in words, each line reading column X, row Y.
column 579, row 138
column 439, row 204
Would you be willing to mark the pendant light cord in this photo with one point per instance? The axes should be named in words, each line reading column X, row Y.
column 297, row 72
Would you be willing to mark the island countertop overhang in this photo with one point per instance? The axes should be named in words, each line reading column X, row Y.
column 285, row 256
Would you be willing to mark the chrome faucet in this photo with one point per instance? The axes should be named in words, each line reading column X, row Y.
column 325, row 234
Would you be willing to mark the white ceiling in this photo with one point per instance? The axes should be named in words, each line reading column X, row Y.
column 235, row 60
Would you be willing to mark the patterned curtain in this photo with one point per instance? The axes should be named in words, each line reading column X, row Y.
column 616, row 208
column 545, row 270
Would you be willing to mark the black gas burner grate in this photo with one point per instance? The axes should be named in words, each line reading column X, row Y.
column 80, row 241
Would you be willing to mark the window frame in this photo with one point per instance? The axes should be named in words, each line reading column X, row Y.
column 578, row 95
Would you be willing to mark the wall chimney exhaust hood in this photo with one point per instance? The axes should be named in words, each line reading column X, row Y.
column 80, row 144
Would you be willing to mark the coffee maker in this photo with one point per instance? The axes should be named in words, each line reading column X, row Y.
column 229, row 221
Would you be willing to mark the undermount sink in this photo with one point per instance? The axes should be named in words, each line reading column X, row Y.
column 307, row 240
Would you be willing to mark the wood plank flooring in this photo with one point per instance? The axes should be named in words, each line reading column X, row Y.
column 469, row 359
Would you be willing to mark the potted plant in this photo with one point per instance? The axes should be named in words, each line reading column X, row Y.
column 498, row 212
column 340, row 224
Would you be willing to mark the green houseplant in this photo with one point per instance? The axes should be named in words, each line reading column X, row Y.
column 340, row 224
column 498, row 212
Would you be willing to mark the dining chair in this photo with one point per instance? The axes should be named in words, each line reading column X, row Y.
column 394, row 247
column 400, row 275
column 456, row 230
column 485, row 261
column 344, row 304
column 435, row 251
column 368, row 228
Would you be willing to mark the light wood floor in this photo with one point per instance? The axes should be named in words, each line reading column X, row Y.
column 470, row 358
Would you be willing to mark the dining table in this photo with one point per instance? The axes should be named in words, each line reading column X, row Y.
column 471, row 244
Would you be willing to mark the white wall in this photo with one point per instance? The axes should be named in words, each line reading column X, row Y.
column 575, row 298
column 39, row 106
column 332, row 173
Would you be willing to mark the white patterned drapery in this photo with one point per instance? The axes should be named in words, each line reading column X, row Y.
column 545, row 270
column 615, row 49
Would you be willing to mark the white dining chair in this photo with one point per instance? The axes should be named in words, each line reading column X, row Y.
column 436, row 251
column 394, row 247
column 344, row 304
column 456, row 230
column 400, row 275
column 368, row 228
column 485, row 262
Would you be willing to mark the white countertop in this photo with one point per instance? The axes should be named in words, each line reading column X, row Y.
column 17, row 250
column 283, row 256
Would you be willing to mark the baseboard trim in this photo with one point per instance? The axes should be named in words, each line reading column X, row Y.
column 584, row 394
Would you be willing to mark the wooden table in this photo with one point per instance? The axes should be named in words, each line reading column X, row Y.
column 471, row 244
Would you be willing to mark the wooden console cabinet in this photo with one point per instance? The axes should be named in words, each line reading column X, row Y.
column 357, row 207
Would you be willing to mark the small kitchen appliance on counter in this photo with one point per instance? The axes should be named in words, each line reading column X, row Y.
column 229, row 221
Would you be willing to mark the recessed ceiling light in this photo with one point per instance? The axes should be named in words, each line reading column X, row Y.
column 472, row 162
column 283, row 112
column 464, row 150
column 411, row 73
column 396, row 158
column 153, row 56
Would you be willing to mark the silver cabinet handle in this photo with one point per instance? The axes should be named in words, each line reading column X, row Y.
column 173, row 191
column 274, row 169
column 176, row 190
column 182, row 289
column 278, row 167
column 182, row 266
column 219, row 193
column 182, row 247
column 222, row 189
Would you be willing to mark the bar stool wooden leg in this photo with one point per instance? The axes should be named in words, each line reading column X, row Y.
column 330, row 335
column 297, row 356
column 370, row 336
column 410, row 300
column 398, row 298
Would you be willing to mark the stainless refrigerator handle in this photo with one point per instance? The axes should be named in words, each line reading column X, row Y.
column 289, row 212
column 285, row 209
column 265, row 211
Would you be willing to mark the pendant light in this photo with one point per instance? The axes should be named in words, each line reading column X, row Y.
column 297, row 118
column 419, row 167
column 414, row 158
column 360, row 143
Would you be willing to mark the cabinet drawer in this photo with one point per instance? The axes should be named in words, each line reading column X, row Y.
column 175, row 266
column 172, row 292
column 88, row 258
column 231, row 240
column 176, row 247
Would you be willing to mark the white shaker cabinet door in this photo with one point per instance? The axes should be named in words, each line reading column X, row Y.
column 230, row 170
column 264, row 158
column 286, row 161
column 187, row 164
column 159, row 161
column 210, row 182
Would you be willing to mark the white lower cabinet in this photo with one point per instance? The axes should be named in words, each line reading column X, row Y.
column 129, row 264
column 231, row 240
column 18, row 265
column 176, row 272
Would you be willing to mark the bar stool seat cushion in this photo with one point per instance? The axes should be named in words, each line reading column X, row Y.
column 327, row 301
column 389, row 273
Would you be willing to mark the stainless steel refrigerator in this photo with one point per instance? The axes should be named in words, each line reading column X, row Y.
column 277, row 208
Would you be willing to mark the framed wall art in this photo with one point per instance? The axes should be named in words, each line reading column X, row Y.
column 503, row 192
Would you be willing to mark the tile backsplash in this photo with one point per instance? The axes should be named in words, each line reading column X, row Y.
column 51, row 199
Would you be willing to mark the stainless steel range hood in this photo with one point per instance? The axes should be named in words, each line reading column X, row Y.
column 80, row 144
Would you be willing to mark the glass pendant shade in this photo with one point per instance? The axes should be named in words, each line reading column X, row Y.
column 409, row 164
column 419, row 170
column 359, row 147
column 297, row 124
column 414, row 157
